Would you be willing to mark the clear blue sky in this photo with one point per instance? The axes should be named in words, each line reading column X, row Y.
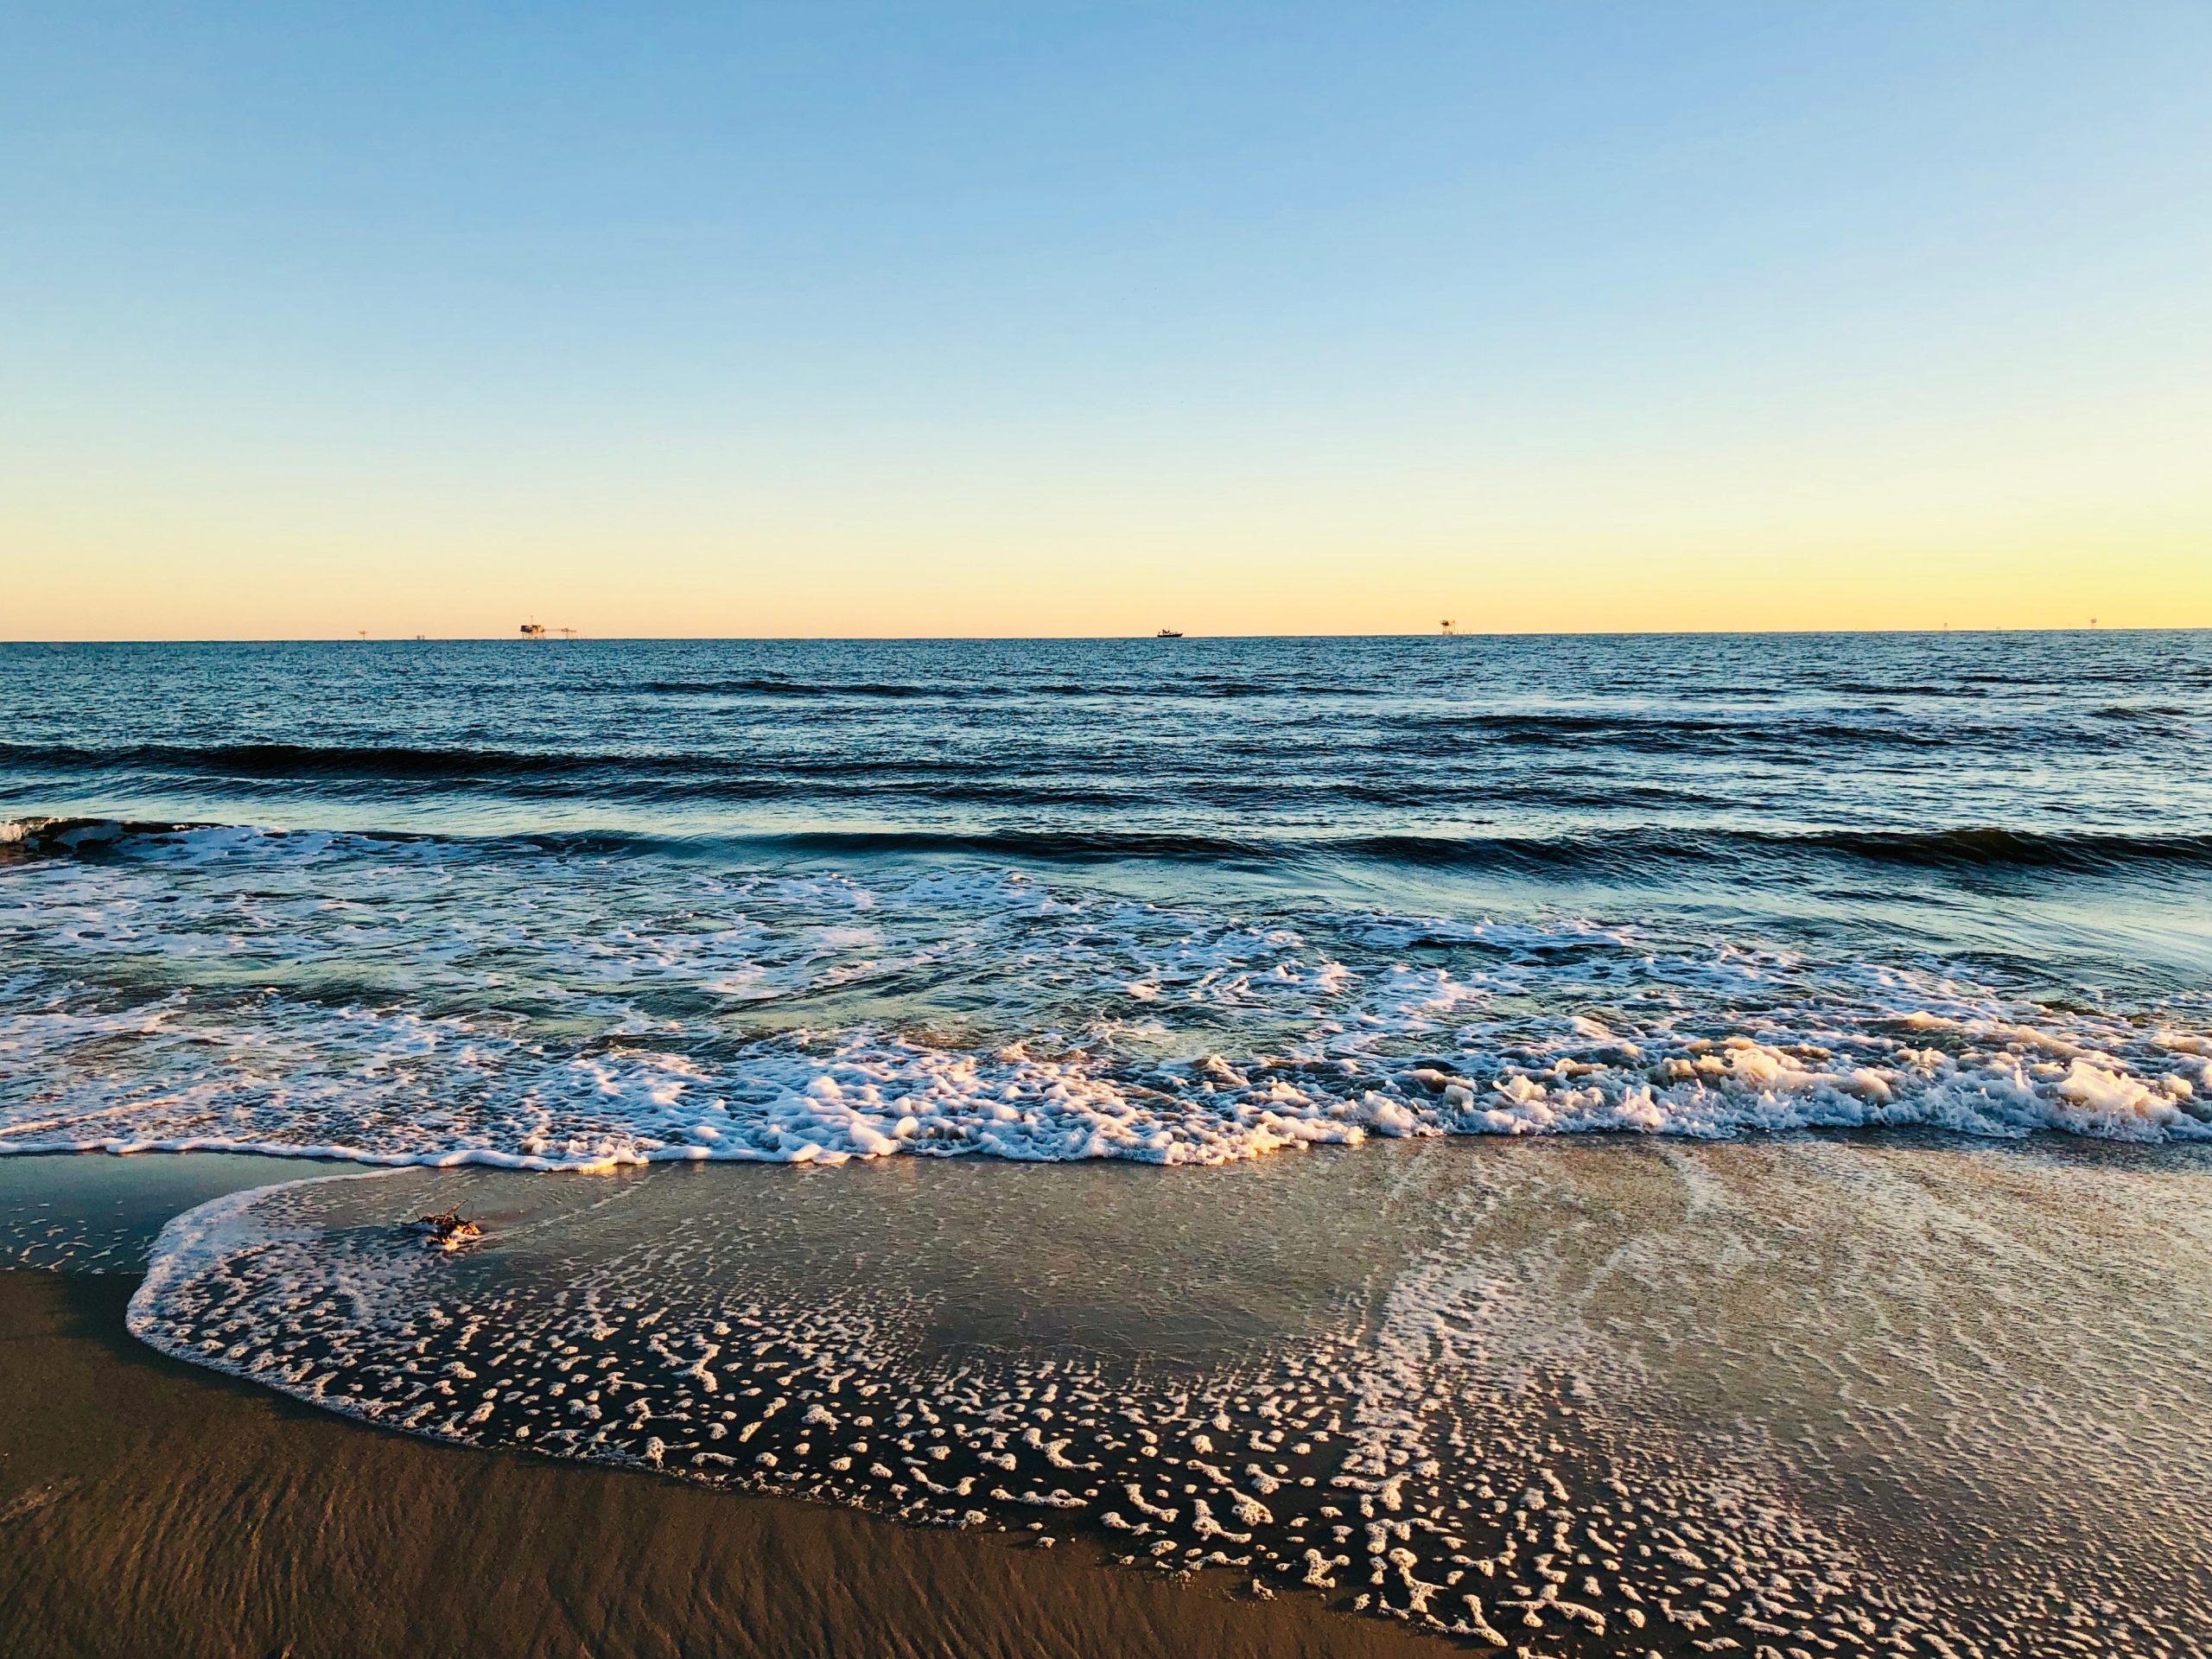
column 1045, row 318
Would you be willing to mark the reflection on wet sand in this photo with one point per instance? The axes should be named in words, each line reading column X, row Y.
column 1811, row 1393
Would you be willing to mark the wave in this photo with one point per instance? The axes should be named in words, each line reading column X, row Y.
column 1199, row 686
column 1903, row 689
column 1392, row 1052
column 1627, row 853
column 1786, row 733
column 773, row 687
column 1994, row 848
column 1418, row 737
column 274, row 760
column 196, row 989
column 670, row 774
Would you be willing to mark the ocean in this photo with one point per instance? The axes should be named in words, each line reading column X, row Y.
column 1473, row 1126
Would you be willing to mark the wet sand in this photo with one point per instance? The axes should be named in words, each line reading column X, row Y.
column 149, row 1507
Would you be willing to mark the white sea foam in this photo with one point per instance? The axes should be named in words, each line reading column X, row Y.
column 396, row 1002
column 1937, row 1399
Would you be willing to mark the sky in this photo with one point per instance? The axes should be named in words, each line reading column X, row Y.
column 984, row 319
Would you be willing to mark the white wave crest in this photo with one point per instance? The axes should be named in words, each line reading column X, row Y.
column 394, row 1002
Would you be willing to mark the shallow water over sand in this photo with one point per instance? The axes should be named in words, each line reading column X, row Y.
column 1592, row 1397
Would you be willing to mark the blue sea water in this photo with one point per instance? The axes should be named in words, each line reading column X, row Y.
column 576, row 902
column 1603, row 936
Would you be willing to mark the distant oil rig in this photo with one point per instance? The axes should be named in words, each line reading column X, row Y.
column 539, row 631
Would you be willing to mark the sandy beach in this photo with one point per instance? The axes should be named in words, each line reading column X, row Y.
column 1644, row 1363
column 149, row 1507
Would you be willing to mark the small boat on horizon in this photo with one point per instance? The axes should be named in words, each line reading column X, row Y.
column 1169, row 633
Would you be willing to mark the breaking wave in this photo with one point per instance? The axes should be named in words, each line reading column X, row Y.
column 440, row 1002
column 1967, row 847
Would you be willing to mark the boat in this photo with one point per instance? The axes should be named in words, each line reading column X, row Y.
column 1169, row 633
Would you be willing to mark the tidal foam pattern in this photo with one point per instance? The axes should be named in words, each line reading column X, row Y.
column 1564, row 1401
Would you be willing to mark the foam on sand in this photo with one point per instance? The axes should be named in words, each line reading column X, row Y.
column 1914, row 1396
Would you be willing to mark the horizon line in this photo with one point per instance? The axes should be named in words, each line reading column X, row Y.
column 1091, row 638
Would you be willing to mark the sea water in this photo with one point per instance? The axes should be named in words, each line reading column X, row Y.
column 1794, row 1057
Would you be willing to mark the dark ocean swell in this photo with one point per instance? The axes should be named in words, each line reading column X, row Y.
column 1622, row 855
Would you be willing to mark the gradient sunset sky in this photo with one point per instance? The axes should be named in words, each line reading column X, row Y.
column 1051, row 319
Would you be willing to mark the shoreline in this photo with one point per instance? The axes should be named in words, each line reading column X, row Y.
column 149, row 1505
